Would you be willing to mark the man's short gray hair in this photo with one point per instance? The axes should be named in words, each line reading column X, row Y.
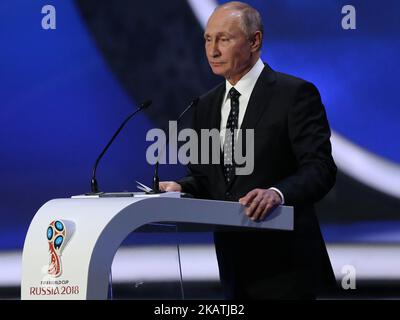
column 250, row 21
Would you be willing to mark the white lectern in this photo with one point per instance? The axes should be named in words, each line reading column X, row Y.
column 71, row 243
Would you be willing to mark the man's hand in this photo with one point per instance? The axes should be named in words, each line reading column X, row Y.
column 170, row 186
column 260, row 202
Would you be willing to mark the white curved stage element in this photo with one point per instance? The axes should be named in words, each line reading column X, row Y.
column 374, row 171
column 95, row 228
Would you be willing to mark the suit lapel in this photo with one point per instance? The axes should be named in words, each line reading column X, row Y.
column 259, row 98
column 215, row 112
column 258, row 102
column 215, row 116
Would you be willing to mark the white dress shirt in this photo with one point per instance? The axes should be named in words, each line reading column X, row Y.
column 245, row 87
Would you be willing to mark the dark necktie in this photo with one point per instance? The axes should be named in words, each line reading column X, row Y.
column 229, row 142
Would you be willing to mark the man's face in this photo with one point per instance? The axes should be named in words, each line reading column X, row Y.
column 227, row 47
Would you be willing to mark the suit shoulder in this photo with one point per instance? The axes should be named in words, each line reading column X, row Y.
column 293, row 84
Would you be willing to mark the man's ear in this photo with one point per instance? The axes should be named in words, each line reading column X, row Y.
column 256, row 41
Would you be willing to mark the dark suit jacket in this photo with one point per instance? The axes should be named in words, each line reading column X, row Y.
column 293, row 153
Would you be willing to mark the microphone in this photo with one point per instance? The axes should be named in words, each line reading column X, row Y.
column 156, row 179
column 93, row 182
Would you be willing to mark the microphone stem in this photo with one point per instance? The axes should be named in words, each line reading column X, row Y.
column 156, row 179
column 94, row 186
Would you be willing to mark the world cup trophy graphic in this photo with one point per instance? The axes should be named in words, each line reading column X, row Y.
column 56, row 236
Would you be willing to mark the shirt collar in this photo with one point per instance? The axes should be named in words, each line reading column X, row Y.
column 247, row 82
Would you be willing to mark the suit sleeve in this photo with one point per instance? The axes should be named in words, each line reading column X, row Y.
column 309, row 135
column 191, row 183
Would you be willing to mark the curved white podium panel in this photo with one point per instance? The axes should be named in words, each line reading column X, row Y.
column 71, row 243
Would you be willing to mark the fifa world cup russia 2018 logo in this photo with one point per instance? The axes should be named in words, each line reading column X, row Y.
column 56, row 236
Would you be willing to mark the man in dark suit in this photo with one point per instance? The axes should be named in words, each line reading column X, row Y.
column 292, row 163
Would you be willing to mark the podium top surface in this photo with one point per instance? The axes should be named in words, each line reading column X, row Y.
column 145, row 209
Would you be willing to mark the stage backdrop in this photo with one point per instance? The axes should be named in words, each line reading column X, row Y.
column 65, row 91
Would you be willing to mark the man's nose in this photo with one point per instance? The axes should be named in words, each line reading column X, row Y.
column 215, row 52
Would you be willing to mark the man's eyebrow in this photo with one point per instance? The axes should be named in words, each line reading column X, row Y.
column 219, row 34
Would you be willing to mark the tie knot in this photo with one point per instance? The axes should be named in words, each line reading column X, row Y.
column 234, row 94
